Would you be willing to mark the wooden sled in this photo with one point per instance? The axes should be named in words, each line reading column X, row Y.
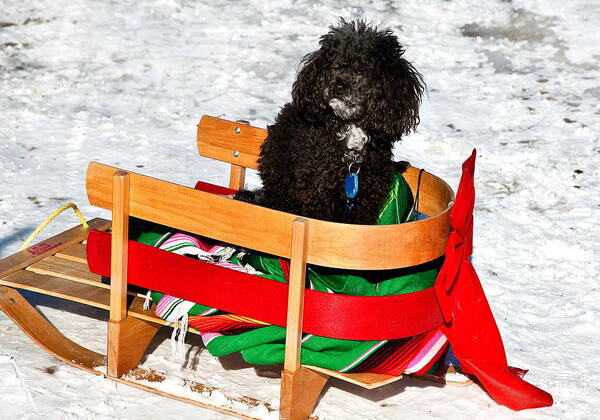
column 58, row 266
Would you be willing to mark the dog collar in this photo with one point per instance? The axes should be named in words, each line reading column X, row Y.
column 351, row 183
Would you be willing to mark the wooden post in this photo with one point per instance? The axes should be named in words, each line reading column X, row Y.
column 127, row 337
column 118, row 270
column 237, row 177
column 295, row 310
column 120, row 236
column 300, row 387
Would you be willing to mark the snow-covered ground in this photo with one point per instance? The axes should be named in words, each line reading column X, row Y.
column 125, row 82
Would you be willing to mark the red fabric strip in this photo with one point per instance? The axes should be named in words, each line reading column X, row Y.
column 214, row 189
column 470, row 324
column 328, row 315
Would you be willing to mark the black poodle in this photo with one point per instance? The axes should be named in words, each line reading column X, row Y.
column 329, row 153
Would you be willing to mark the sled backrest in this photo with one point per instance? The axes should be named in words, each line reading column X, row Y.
column 233, row 142
column 237, row 143
column 270, row 231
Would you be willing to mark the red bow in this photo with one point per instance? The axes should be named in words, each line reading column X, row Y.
column 469, row 322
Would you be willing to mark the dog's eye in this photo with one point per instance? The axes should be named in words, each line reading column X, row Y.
column 339, row 66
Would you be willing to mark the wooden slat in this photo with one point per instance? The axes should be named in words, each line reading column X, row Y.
column 69, row 269
column 237, row 173
column 48, row 247
column 75, row 252
column 123, row 351
column 96, row 295
column 229, row 141
column 365, row 380
column 250, row 226
column 58, row 287
column 218, row 139
column 196, row 211
column 86, row 294
column 72, row 270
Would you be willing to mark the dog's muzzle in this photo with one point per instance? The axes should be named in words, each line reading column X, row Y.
column 345, row 110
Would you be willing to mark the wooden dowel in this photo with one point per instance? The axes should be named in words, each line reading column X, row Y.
column 296, row 294
column 120, row 236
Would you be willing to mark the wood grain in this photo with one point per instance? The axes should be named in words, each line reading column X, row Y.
column 300, row 391
column 229, row 141
column 119, row 340
column 73, row 270
column 237, row 177
column 59, row 287
column 127, row 342
column 75, row 252
column 435, row 194
column 68, row 269
column 266, row 230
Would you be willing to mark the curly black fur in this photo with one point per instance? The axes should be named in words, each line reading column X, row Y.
column 357, row 81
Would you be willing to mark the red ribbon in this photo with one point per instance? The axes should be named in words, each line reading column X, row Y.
column 469, row 323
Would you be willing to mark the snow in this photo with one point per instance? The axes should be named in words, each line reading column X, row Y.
column 125, row 82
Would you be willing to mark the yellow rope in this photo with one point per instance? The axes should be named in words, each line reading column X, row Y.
column 49, row 219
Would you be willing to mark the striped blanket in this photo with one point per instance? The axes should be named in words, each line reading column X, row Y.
column 262, row 343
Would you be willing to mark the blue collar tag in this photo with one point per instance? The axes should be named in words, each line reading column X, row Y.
column 351, row 185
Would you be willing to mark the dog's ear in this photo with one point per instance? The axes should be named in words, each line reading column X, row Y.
column 308, row 89
column 397, row 97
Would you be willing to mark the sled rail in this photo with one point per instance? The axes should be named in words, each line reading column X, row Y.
column 330, row 244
